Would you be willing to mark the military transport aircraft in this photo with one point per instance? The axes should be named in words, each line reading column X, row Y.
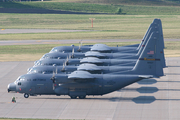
column 66, row 49
column 94, row 60
column 155, row 26
column 82, row 83
column 57, row 62
column 40, row 69
column 59, row 55
column 85, row 48
column 51, row 69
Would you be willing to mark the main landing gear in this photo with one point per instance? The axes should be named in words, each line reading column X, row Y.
column 26, row 95
column 80, row 97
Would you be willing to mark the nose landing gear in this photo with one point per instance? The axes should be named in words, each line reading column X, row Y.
column 26, row 95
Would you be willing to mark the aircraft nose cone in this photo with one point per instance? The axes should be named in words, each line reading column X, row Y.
column 11, row 87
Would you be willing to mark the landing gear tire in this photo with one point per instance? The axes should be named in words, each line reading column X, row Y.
column 26, row 95
column 82, row 97
column 73, row 97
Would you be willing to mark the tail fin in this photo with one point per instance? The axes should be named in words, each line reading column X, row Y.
column 156, row 26
column 161, row 33
column 146, row 36
column 153, row 28
column 149, row 62
column 161, row 43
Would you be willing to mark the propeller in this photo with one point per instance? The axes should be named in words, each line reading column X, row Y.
column 66, row 62
column 72, row 56
column 80, row 44
column 63, row 69
column 53, row 78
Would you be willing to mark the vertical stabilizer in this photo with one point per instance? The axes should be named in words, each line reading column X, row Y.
column 153, row 28
column 155, row 21
column 161, row 43
column 149, row 62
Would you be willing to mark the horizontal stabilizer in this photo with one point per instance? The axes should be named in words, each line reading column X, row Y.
column 146, row 76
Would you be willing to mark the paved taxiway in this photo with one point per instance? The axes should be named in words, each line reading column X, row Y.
column 151, row 99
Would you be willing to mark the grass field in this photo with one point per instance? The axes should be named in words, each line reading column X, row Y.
column 128, row 2
column 105, row 26
column 128, row 8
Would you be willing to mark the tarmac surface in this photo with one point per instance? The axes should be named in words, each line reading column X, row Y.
column 150, row 99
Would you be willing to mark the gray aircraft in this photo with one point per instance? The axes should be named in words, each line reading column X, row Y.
column 103, row 69
column 66, row 49
column 121, row 55
column 151, row 44
column 132, row 56
column 62, row 52
column 57, row 62
column 50, row 69
column 82, row 83
column 59, row 55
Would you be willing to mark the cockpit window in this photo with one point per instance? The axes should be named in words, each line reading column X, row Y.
column 54, row 50
column 45, row 57
column 38, row 63
column 20, row 79
column 19, row 83
column 33, row 70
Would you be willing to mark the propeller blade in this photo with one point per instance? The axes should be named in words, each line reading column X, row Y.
column 63, row 67
column 80, row 44
column 56, row 70
column 53, row 76
column 72, row 56
column 66, row 62
column 54, row 85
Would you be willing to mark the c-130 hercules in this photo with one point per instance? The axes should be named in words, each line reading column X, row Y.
column 105, row 58
column 81, row 83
